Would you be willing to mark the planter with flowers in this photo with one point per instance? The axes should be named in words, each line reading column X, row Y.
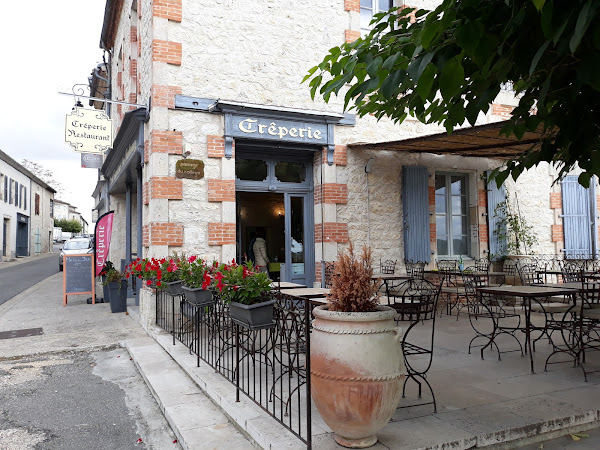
column 247, row 292
column 147, row 269
column 356, row 356
column 172, row 270
column 117, row 288
column 197, row 282
column 108, row 266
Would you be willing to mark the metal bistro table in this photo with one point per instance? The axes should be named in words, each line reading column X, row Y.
column 287, row 285
column 307, row 292
column 387, row 277
column 527, row 293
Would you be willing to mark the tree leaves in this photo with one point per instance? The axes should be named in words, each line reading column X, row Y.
column 452, row 78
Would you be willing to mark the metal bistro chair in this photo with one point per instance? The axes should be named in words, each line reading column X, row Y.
column 573, row 270
column 490, row 317
column 589, row 324
column 452, row 291
column 329, row 274
column 415, row 269
column 530, row 274
column 388, row 266
column 418, row 306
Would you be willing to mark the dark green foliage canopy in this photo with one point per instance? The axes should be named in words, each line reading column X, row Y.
column 69, row 226
column 449, row 65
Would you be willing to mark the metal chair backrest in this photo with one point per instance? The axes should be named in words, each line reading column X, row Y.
column 590, row 293
column 415, row 269
column 510, row 267
column 573, row 270
column 418, row 302
column 530, row 275
column 482, row 265
column 388, row 266
column 329, row 273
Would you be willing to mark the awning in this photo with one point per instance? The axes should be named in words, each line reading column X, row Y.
column 480, row 141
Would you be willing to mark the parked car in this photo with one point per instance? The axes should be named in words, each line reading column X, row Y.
column 75, row 246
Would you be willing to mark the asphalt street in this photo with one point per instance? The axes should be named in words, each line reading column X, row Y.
column 17, row 276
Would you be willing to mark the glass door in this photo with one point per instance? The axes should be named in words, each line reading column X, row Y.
column 299, row 241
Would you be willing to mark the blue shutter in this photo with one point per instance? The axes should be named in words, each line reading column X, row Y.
column 496, row 196
column 415, row 206
column 576, row 219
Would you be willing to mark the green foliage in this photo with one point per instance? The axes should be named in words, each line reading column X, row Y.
column 513, row 229
column 449, row 65
column 71, row 226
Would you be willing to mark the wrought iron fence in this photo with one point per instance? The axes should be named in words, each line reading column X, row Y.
column 267, row 364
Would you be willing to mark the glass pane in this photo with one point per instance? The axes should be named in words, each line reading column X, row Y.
column 459, row 226
column 290, row 172
column 457, row 185
column 366, row 3
column 440, row 184
column 460, row 246
column 297, row 235
column 440, row 226
column 459, row 204
column 251, row 169
column 365, row 17
column 442, row 245
column 384, row 5
column 440, row 204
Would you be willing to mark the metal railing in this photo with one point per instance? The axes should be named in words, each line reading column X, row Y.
column 268, row 364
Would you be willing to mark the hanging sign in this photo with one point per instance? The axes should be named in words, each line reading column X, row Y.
column 102, row 236
column 88, row 130
column 92, row 160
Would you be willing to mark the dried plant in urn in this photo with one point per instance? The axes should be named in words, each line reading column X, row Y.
column 352, row 289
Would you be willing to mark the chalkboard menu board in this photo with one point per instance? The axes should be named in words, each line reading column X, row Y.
column 78, row 276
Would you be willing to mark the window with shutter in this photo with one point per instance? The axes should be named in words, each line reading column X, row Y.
column 578, row 213
column 37, row 204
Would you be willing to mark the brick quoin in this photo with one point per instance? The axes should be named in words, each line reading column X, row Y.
column 482, row 197
column 332, row 232
column 432, row 232
column 557, row 233
column 167, row 9
column 221, row 190
column 166, row 51
column 555, row 200
column 340, row 155
column 133, row 34
column 146, row 235
column 147, row 151
column 483, row 232
column 166, row 141
column 221, row 233
column 133, row 69
column 333, row 193
column 431, row 195
column 352, row 5
column 166, row 233
column 598, row 202
column 351, row 35
column 132, row 99
column 145, row 192
column 119, row 78
column 215, row 146
column 502, row 110
column 166, row 187
column 164, row 95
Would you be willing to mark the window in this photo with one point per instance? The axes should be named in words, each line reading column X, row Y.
column 368, row 8
column 37, row 204
column 51, row 207
column 10, row 192
column 2, row 195
column 451, row 214
column 5, row 189
column 24, row 197
column 251, row 169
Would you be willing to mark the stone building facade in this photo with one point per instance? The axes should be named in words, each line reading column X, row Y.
column 221, row 83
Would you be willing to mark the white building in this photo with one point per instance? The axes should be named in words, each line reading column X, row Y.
column 26, row 208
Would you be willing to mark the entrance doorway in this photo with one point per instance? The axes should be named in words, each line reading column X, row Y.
column 283, row 220
column 22, row 235
column 274, row 194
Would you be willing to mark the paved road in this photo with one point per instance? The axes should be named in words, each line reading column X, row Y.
column 77, row 400
column 17, row 276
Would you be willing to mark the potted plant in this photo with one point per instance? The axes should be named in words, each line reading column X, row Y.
column 357, row 368
column 172, row 270
column 247, row 292
column 197, row 282
column 146, row 269
column 117, row 286
column 108, row 266
column 514, row 231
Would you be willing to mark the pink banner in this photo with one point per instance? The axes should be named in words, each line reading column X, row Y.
column 102, row 239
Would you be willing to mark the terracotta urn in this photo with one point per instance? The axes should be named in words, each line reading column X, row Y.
column 357, row 372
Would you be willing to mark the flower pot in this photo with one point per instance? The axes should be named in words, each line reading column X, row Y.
column 118, row 296
column 357, row 372
column 253, row 316
column 198, row 296
column 174, row 287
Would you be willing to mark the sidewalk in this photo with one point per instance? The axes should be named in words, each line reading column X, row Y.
column 24, row 259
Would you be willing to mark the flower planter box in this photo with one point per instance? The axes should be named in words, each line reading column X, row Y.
column 105, row 290
column 118, row 296
column 259, row 315
column 198, row 296
column 174, row 287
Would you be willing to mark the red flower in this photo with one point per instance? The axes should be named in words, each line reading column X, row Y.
column 235, row 288
column 148, row 283
column 192, row 258
column 158, row 283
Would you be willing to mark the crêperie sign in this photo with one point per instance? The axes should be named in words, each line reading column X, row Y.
column 78, row 276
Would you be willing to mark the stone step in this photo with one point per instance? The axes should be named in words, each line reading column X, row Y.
column 197, row 422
